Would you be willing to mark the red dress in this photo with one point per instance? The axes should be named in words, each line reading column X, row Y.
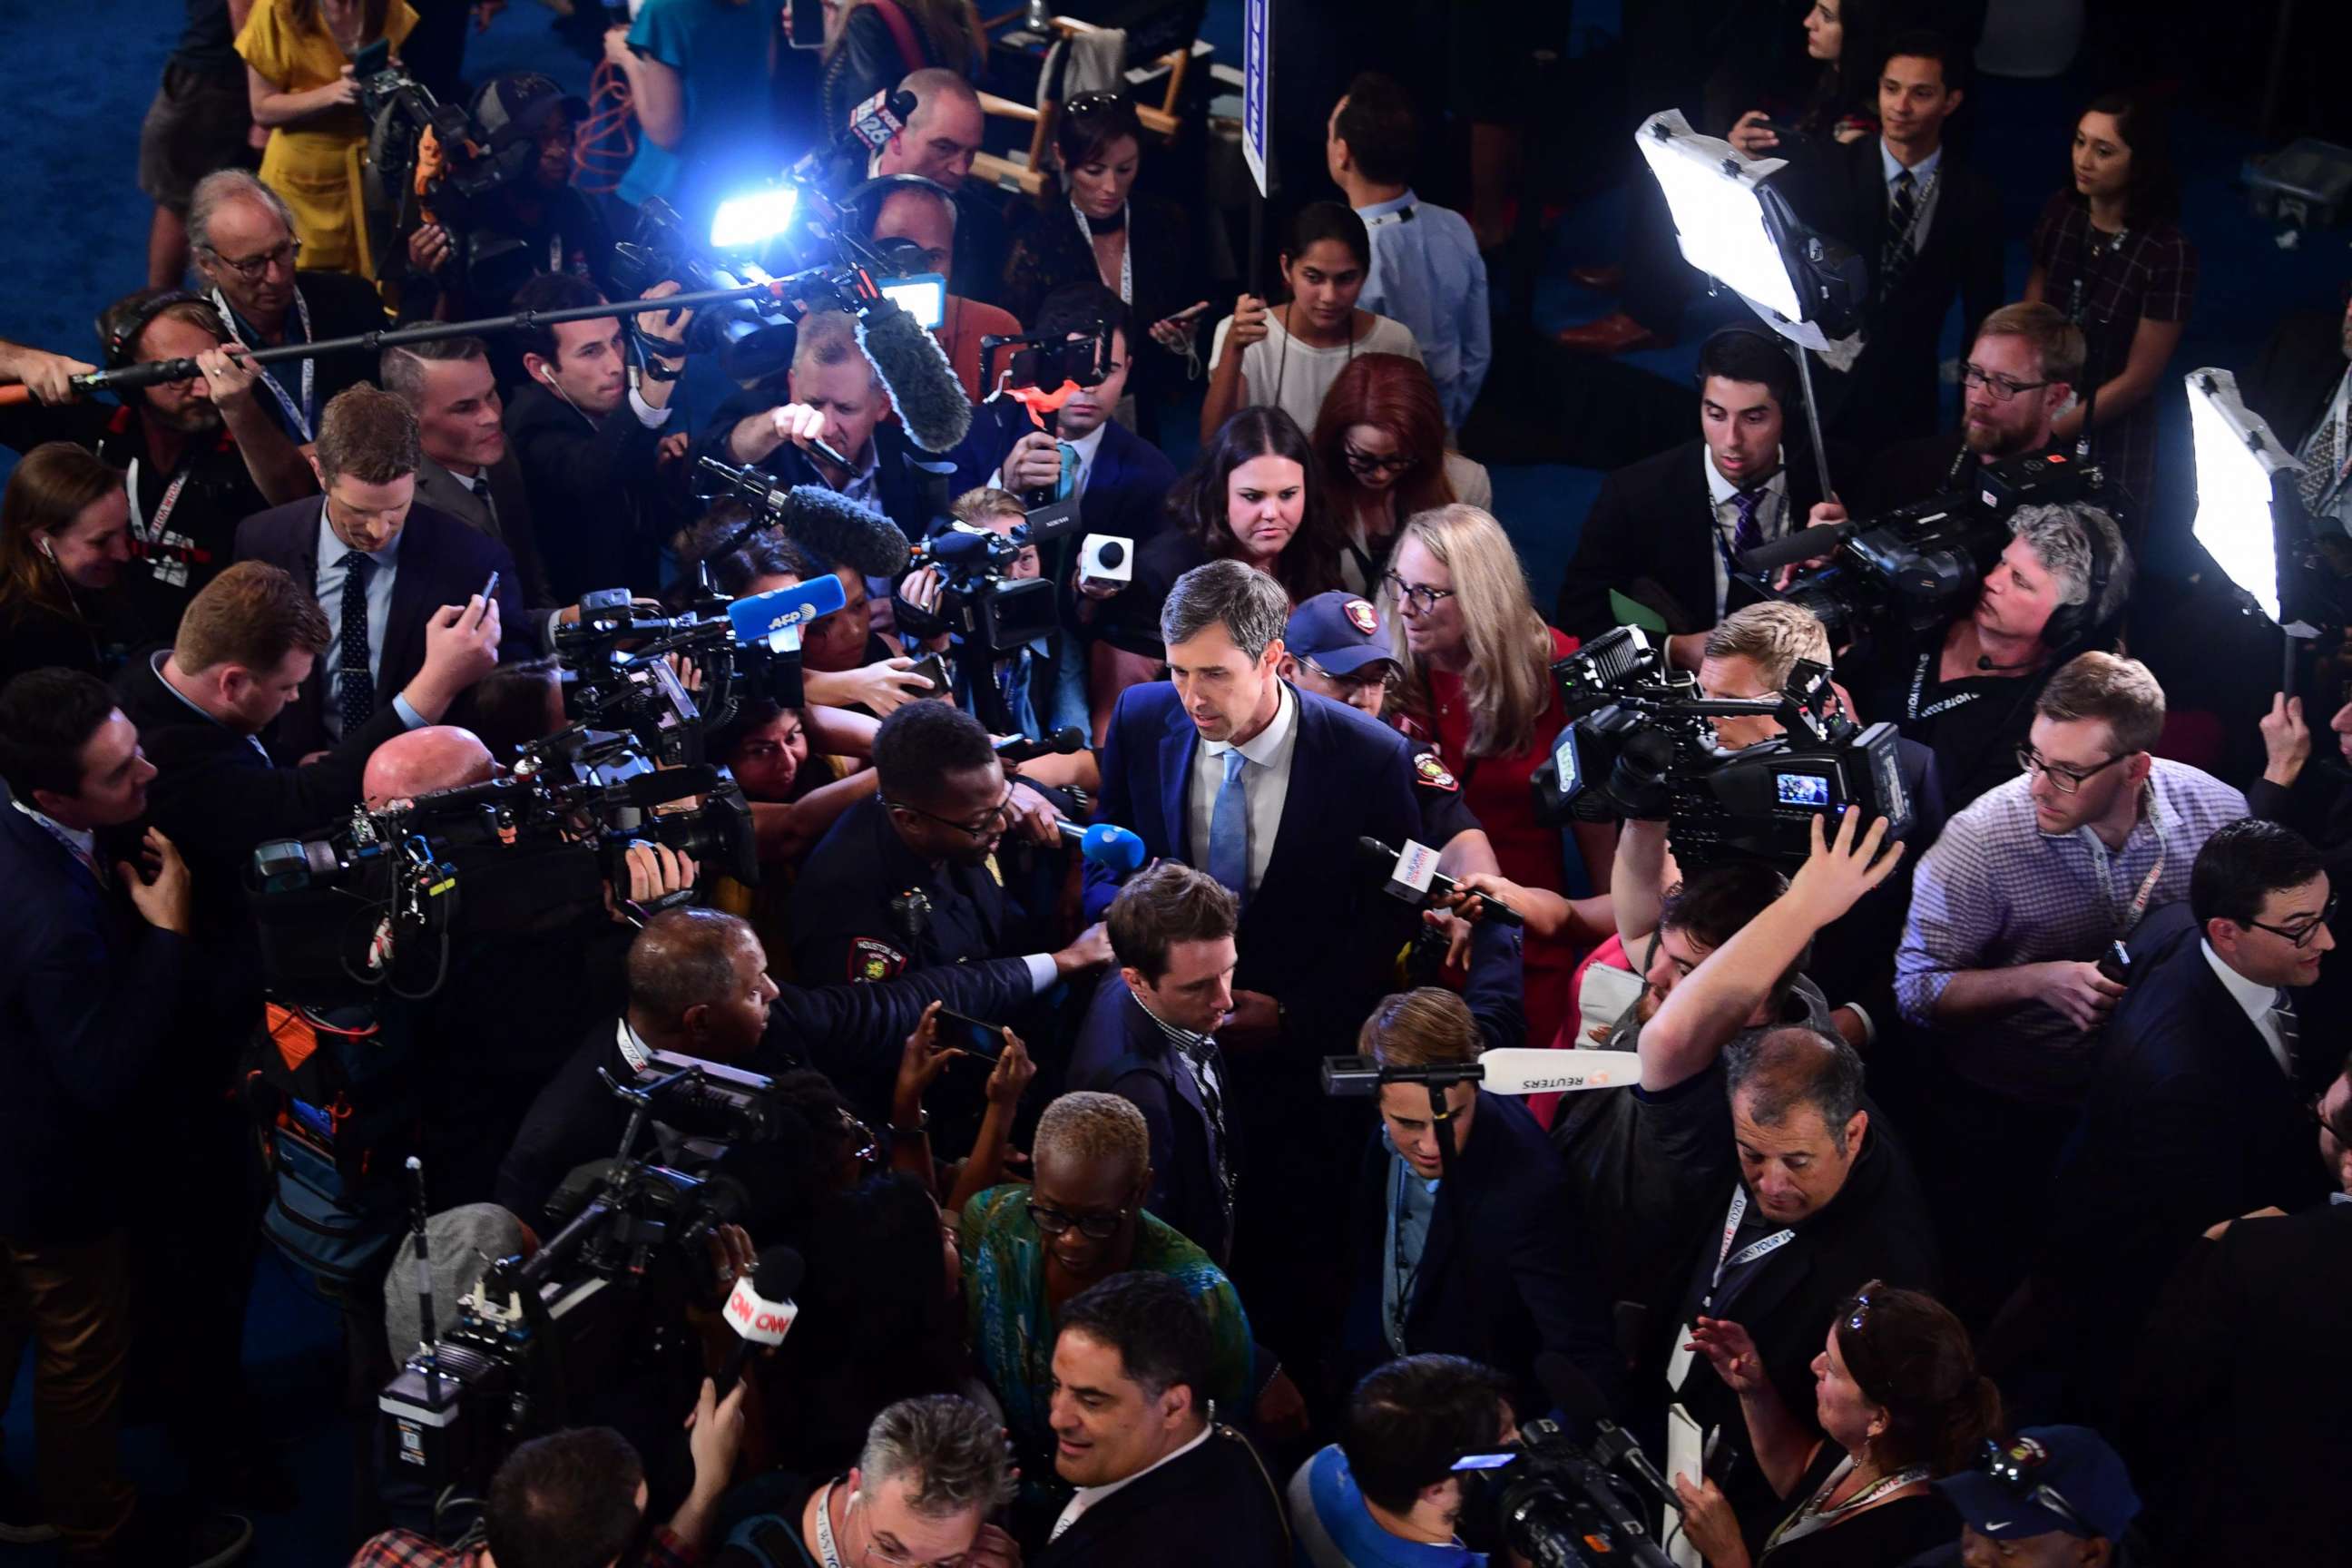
column 1500, row 793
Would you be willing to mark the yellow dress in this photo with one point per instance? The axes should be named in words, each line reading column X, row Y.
column 315, row 166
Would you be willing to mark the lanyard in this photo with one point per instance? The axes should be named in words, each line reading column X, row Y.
column 1812, row 1516
column 2103, row 863
column 150, row 536
column 633, row 1050
column 86, row 858
column 298, row 414
column 1726, row 1259
column 1125, row 252
column 825, row 1546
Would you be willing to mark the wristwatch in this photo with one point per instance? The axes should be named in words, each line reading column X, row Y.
column 922, row 1125
column 657, row 370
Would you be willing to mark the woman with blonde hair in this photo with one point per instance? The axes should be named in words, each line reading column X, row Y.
column 1475, row 661
column 302, row 89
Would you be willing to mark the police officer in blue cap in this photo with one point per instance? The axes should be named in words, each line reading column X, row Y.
column 2050, row 1496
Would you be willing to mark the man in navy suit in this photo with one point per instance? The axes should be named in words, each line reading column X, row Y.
column 1267, row 788
column 406, row 561
column 1149, row 1037
column 1473, row 1250
column 2197, row 1114
column 86, row 1009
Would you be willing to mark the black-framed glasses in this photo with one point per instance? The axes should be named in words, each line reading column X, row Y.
column 2002, row 387
column 2063, row 779
column 994, row 820
column 864, row 1147
column 2012, row 1464
column 1093, row 1226
column 2304, row 934
column 1363, row 462
column 286, row 252
column 1420, row 595
column 2319, row 1119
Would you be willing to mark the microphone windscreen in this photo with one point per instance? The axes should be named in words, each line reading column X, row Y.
column 1796, row 545
column 955, row 544
column 835, row 531
column 757, row 618
column 1372, row 852
column 1115, row 848
column 915, row 371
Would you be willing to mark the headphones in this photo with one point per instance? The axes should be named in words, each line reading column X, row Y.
column 120, row 324
column 863, row 203
column 2072, row 626
column 1793, row 403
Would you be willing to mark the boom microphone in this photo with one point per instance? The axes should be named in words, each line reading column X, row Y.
column 1414, row 877
column 1796, row 545
column 1576, row 1395
column 824, row 524
column 1116, row 849
column 915, row 374
column 760, row 1308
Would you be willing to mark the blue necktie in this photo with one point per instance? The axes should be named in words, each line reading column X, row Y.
column 354, row 684
column 1229, row 828
column 1745, row 533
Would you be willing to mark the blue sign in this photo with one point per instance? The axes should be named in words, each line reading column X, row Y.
column 1258, row 47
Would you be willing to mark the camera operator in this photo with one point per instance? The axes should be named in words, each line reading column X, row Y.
column 199, row 455
column 1480, row 1252
column 88, row 1012
column 2010, row 911
column 932, row 1471
column 376, row 562
column 577, row 1499
column 587, row 434
column 242, row 235
column 834, row 395
column 1027, row 679
column 1663, row 530
column 916, row 218
column 902, row 882
column 1391, row 1476
column 537, row 224
column 1966, row 689
column 1160, row 1482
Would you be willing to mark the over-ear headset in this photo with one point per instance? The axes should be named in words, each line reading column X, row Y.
column 1792, row 404
column 120, row 324
column 861, row 203
column 2070, row 627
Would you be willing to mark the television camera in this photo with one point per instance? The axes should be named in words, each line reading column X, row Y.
column 1639, row 745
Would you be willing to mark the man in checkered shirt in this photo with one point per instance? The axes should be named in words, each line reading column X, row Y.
column 2011, row 911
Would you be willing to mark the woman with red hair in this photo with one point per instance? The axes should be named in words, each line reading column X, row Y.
column 1382, row 439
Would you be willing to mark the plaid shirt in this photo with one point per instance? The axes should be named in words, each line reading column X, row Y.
column 2107, row 284
column 1995, row 891
column 401, row 1549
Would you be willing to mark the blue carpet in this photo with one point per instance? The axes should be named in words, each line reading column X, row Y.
column 70, row 143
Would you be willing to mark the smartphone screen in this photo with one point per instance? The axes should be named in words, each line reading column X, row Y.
column 933, row 667
column 957, row 1032
column 808, row 24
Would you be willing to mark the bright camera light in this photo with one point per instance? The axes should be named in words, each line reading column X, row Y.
column 924, row 297
column 1717, row 217
column 2236, row 455
column 744, row 221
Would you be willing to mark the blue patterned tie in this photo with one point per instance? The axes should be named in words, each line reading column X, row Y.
column 1745, row 533
column 354, row 685
column 1229, row 828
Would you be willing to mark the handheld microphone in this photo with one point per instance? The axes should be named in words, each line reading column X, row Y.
column 1116, row 849
column 761, row 1316
column 957, row 546
column 762, row 615
column 1506, row 1070
column 1065, row 741
column 1414, row 877
column 824, row 524
column 881, row 117
column 1576, row 1394
column 915, row 372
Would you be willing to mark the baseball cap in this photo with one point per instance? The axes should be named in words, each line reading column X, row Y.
column 1338, row 631
column 2045, row 1479
column 512, row 107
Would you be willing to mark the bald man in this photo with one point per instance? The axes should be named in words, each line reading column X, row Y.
column 939, row 144
column 437, row 757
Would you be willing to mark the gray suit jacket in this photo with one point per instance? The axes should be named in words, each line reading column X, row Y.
column 509, row 523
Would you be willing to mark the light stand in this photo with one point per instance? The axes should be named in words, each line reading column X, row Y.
column 2241, row 503
column 1741, row 232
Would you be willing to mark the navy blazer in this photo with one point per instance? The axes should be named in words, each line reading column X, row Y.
column 88, row 1011
column 1506, row 1274
column 442, row 562
column 1121, row 1050
column 1127, row 494
column 1316, row 936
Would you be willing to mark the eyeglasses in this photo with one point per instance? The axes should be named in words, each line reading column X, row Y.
column 1862, row 1304
column 2320, row 1118
column 863, row 1146
column 1364, row 462
column 2012, row 1464
column 1421, row 598
column 2306, row 933
column 2065, row 780
column 2002, row 387
column 285, row 253
column 898, row 1557
column 1093, row 1226
column 995, row 820
column 1376, row 675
